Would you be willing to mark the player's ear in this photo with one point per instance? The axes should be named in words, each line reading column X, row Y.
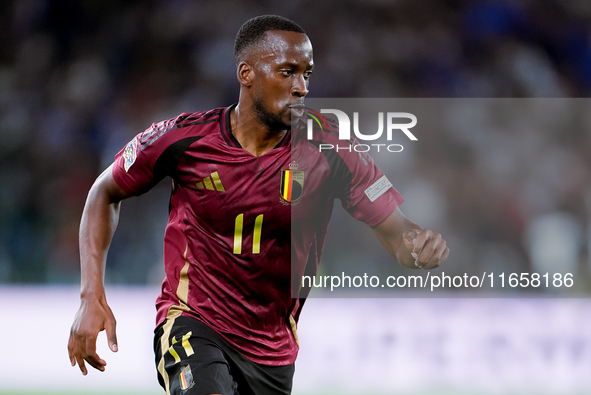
column 245, row 74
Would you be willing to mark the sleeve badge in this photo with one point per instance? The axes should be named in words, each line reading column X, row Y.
column 378, row 188
column 130, row 154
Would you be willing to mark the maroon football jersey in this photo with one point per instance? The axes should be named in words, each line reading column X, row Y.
column 239, row 223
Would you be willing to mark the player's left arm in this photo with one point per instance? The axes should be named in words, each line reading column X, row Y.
column 411, row 245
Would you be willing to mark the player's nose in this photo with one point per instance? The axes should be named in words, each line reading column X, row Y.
column 300, row 86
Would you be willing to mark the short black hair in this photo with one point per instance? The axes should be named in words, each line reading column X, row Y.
column 253, row 30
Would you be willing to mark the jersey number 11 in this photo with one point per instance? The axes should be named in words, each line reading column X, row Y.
column 256, row 238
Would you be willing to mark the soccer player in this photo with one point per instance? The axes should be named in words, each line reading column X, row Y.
column 250, row 205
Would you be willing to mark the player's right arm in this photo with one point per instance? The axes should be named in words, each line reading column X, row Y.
column 98, row 224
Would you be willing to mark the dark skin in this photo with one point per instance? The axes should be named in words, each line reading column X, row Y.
column 272, row 75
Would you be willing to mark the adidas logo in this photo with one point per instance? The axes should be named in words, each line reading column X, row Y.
column 208, row 184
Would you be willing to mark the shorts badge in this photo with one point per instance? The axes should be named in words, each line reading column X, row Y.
column 130, row 154
column 186, row 378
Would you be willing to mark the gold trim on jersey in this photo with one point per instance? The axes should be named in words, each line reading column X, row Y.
column 294, row 329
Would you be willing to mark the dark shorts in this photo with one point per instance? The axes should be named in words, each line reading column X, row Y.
column 197, row 361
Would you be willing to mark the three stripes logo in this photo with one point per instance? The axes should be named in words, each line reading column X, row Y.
column 292, row 184
column 213, row 183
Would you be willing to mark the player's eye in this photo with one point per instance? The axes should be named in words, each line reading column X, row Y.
column 307, row 74
column 287, row 72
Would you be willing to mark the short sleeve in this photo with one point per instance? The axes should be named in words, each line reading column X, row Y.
column 365, row 192
column 137, row 166
column 133, row 169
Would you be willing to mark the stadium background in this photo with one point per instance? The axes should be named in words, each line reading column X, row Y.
column 79, row 78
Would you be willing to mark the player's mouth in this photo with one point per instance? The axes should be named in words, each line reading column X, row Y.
column 297, row 108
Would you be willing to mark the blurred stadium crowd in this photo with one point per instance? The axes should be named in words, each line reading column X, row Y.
column 78, row 79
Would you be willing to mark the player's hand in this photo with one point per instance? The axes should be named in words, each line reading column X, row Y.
column 93, row 316
column 427, row 248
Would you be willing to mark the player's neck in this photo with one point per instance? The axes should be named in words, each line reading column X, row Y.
column 252, row 136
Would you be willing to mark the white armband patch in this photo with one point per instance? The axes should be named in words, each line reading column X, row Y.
column 378, row 188
column 130, row 154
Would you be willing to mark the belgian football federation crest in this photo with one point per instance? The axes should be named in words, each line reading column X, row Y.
column 292, row 184
column 186, row 378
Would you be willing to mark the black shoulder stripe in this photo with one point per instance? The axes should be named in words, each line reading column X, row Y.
column 341, row 178
column 159, row 129
column 167, row 163
column 201, row 122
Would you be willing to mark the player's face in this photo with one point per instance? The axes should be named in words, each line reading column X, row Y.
column 282, row 73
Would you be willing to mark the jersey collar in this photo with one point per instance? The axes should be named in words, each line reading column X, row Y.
column 226, row 128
